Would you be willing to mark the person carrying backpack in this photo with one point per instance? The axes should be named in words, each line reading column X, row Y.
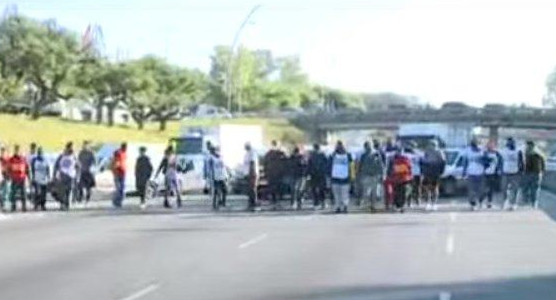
column 400, row 176
column 370, row 173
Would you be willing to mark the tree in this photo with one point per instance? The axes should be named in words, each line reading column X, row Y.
column 40, row 53
column 166, row 89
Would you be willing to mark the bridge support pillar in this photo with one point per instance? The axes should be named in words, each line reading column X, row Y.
column 320, row 136
column 493, row 133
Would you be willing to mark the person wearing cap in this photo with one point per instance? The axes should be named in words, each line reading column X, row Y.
column 86, row 181
column 433, row 164
column 143, row 172
column 474, row 166
column 493, row 171
column 251, row 165
column 535, row 165
column 219, row 178
column 512, row 170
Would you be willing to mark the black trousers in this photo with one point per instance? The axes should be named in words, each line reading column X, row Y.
column 252, row 192
column 318, row 190
column 491, row 187
column 18, row 190
column 40, row 196
column 275, row 189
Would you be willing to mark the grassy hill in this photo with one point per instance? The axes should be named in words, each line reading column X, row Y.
column 53, row 133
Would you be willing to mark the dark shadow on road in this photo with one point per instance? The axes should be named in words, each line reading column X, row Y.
column 534, row 288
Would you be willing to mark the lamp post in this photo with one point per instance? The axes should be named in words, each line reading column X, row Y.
column 229, row 74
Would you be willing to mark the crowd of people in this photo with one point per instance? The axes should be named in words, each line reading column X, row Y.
column 399, row 174
column 29, row 177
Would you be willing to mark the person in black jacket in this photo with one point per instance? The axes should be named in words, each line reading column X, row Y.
column 274, row 171
column 317, row 170
column 143, row 172
column 297, row 168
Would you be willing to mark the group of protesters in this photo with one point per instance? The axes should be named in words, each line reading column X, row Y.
column 30, row 176
column 400, row 174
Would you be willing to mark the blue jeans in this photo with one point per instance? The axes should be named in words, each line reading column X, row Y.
column 119, row 194
column 531, row 187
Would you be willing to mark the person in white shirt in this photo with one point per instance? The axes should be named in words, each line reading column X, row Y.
column 251, row 165
column 65, row 171
column 474, row 170
column 40, row 177
column 340, row 177
column 512, row 168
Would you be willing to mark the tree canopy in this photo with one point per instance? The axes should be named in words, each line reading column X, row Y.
column 49, row 63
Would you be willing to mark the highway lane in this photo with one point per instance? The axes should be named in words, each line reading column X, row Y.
column 451, row 254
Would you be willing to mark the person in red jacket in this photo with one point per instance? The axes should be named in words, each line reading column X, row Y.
column 119, row 170
column 18, row 170
column 399, row 174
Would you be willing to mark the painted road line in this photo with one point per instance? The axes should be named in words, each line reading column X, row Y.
column 253, row 241
column 142, row 293
column 444, row 296
column 450, row 244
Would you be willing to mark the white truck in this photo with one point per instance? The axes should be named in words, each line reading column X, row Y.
column 230, row 138
column 450, row 135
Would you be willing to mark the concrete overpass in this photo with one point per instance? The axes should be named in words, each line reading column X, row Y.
column 319, row 125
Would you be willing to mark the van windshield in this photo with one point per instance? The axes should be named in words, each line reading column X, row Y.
column 189, row 145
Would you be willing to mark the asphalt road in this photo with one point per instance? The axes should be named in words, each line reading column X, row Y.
column 197, row 254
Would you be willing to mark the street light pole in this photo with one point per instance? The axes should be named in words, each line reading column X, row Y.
column 232, row 49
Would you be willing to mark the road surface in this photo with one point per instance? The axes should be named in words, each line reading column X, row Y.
column 197, row 254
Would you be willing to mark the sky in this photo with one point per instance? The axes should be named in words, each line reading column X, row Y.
column 474, row 51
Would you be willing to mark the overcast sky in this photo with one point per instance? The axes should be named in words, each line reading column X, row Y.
column 475, row 51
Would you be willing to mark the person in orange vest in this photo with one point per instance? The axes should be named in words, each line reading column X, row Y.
column 400, row 175
column 18, row 170
column 119, row 170
column 4, row 176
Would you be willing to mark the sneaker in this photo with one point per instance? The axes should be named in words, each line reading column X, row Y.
column 434, row 207
column 345, row 211
column 428, row 207
column 143, row 206
column 513, row 207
